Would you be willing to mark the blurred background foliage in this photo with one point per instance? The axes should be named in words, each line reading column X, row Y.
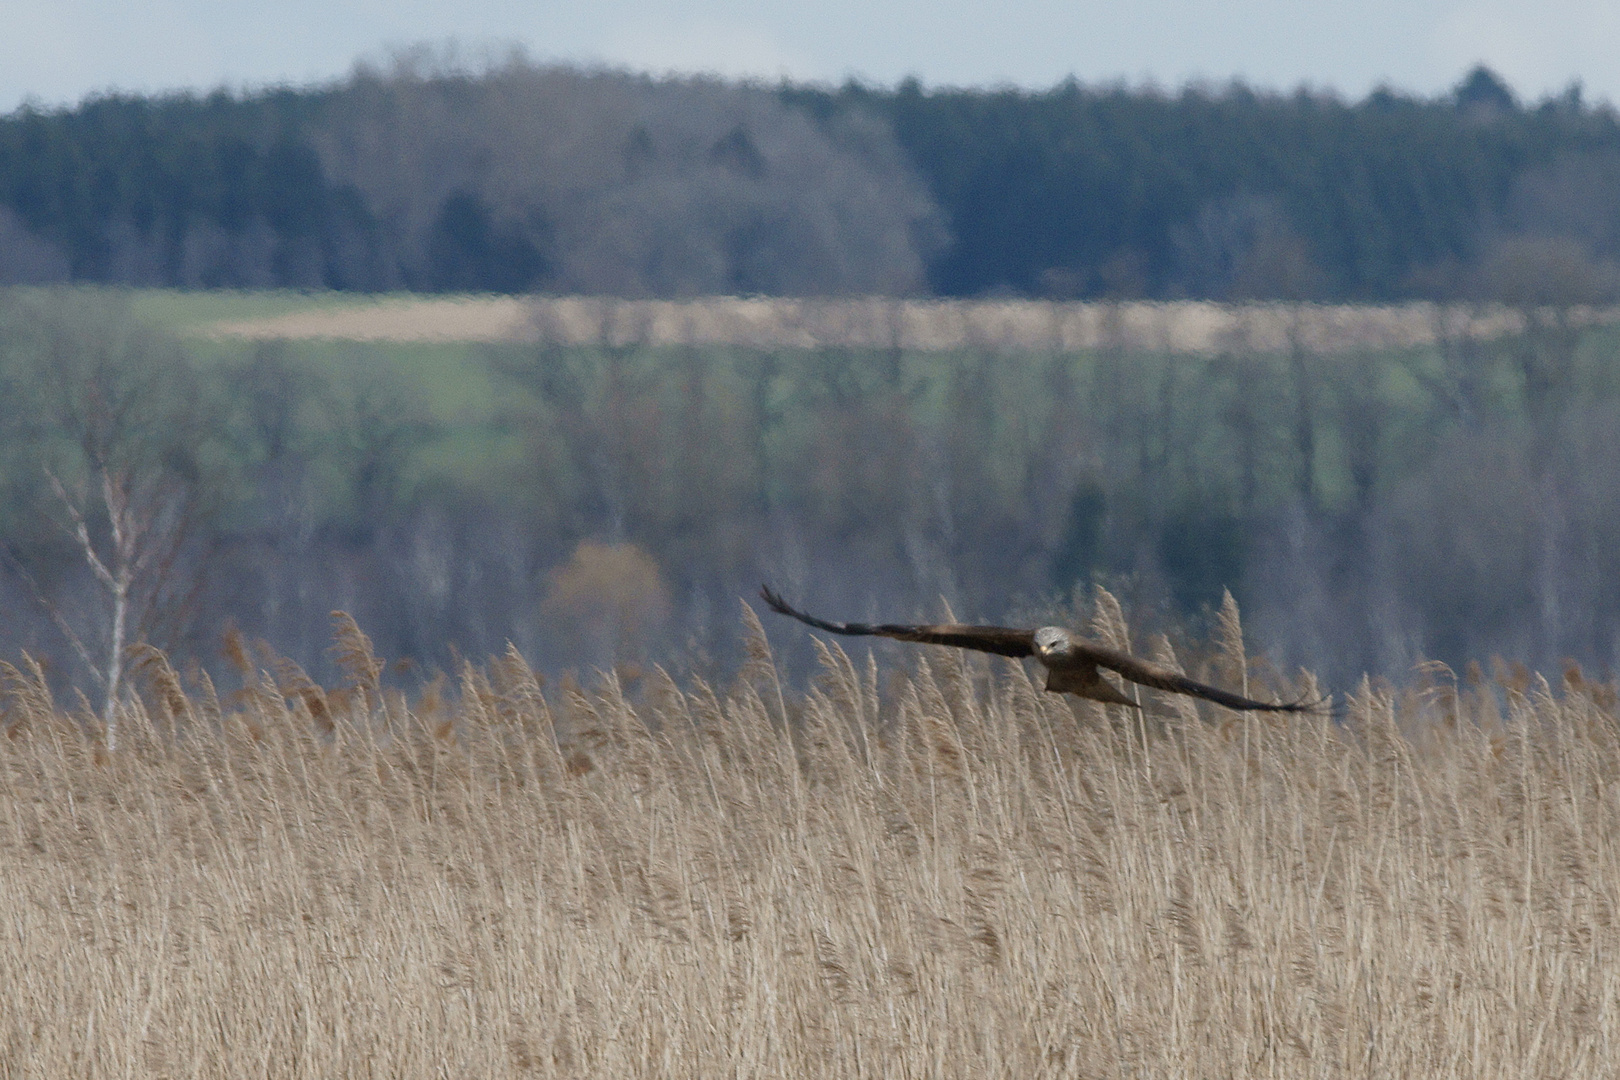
column 597, row 504
column 1366, row 507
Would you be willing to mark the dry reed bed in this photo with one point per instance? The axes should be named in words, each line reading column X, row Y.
column 958, row 876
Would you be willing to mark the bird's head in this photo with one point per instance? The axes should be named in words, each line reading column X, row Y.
column 1051, row 642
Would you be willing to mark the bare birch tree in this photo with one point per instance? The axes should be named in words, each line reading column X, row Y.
column 148, row 523
column 115, row 426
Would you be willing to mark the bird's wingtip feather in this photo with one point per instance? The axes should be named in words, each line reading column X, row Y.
column 773, row 600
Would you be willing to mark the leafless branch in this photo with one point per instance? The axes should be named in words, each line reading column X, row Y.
column 51, row 609
column 81, row 531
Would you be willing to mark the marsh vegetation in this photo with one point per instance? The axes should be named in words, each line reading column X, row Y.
column 930, row 869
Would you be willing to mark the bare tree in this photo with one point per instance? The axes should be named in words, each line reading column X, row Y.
column 1549, row 280
column 26, row 258
column 607, row 183
column 1303, row 380
column 1244, row 247
column 1576, row 196
column 1456, row 375
column 115, row 425
column 148, row 520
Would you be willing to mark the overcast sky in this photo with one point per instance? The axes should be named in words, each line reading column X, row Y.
column 57, row 51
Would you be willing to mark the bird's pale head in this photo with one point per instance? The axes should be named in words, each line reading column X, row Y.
column 1051, row 641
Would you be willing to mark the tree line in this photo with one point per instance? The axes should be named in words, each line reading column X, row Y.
column 517, row 178
column 521, row 177
column 611, row 503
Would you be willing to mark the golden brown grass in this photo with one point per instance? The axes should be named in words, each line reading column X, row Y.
column 942, row 873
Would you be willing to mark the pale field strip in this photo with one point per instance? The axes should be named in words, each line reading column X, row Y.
column 878, row 323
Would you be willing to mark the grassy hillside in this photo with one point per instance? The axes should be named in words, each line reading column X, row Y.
column 928, row 871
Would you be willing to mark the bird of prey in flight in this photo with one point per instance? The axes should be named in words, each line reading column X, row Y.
column 1071, row 664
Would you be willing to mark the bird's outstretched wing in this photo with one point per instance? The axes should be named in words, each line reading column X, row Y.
column 1162, row 678
column 1001, row 640
column 1006, row 641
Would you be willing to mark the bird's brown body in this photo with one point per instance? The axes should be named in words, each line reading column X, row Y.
column 1072, row 666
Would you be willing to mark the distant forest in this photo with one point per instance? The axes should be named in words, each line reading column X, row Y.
column 531, row 178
